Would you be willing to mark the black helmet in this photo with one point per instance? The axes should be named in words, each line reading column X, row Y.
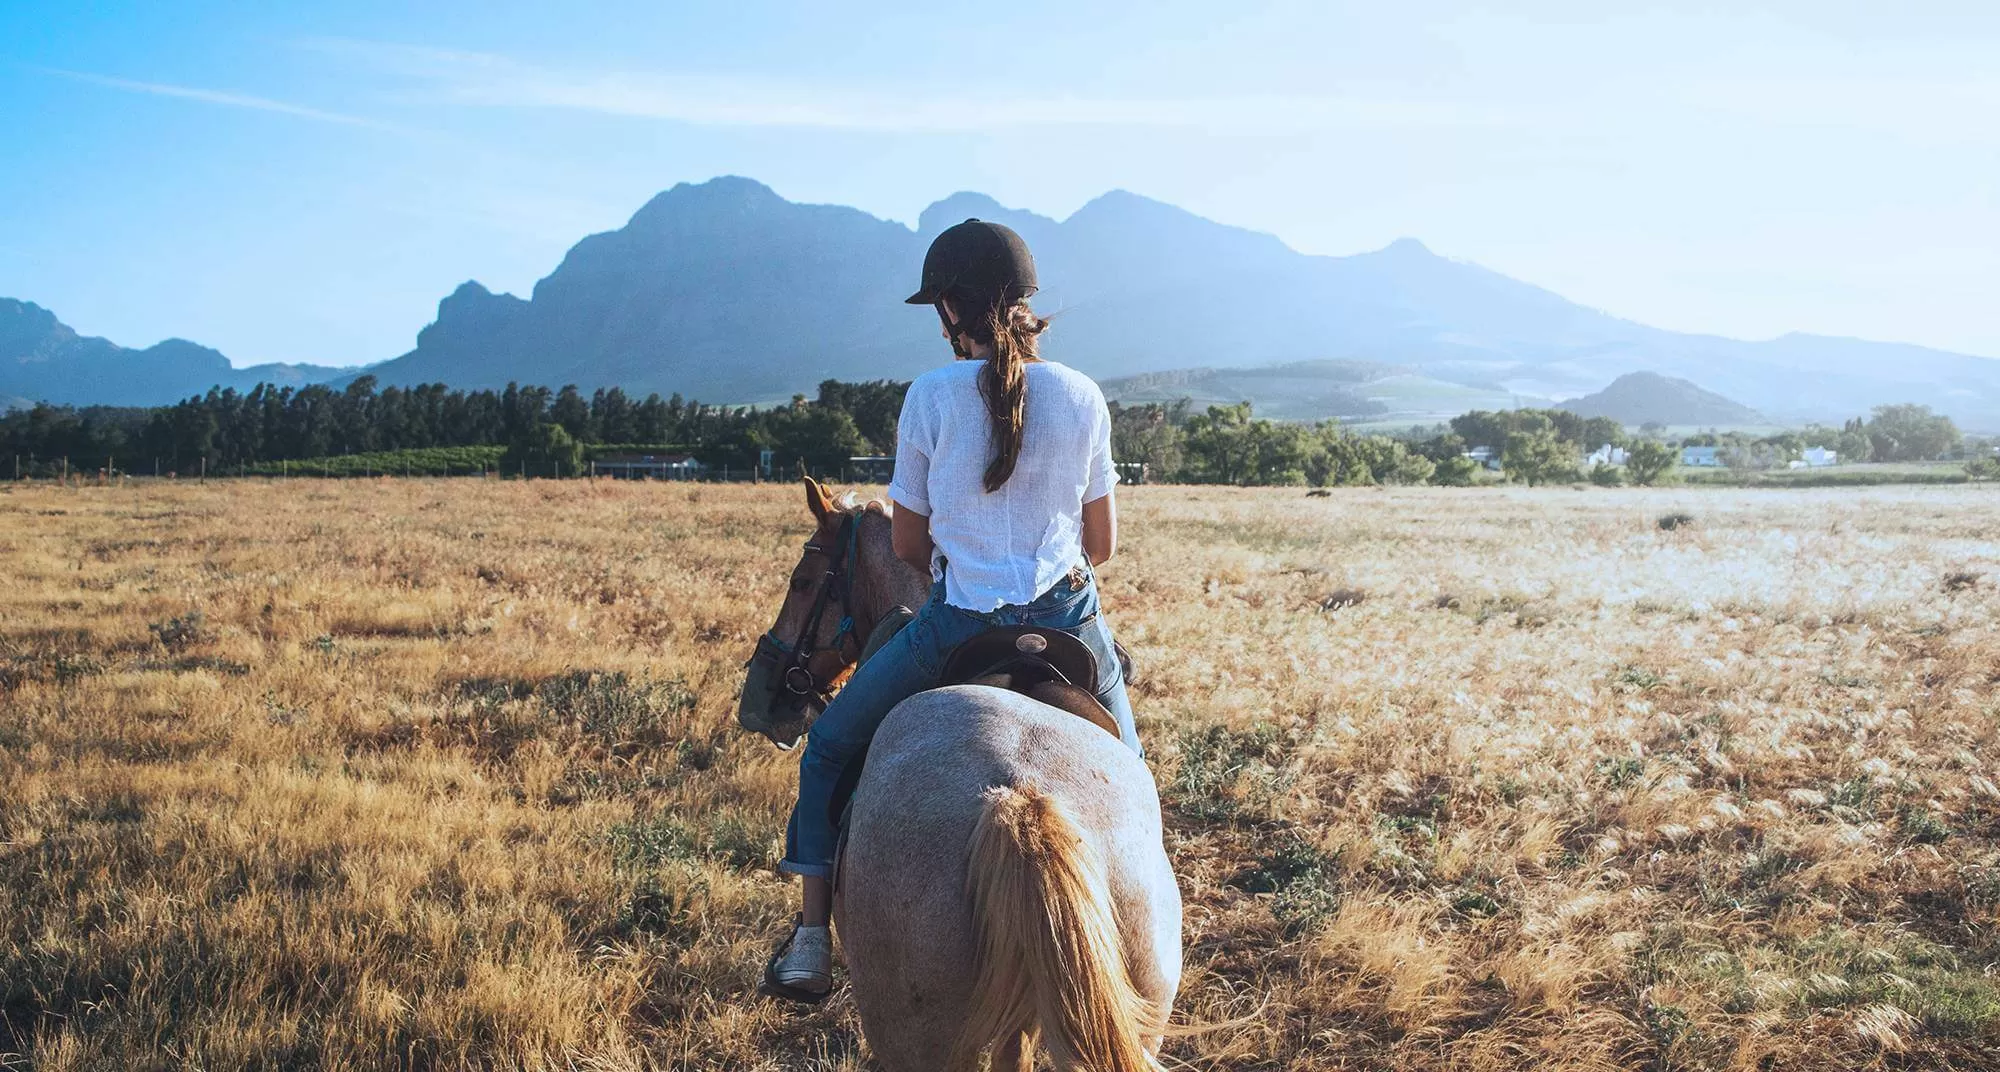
column 977, row 259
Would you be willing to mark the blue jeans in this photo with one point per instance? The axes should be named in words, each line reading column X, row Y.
column 908, row 664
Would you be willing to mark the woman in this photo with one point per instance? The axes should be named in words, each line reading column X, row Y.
column 1003, row 493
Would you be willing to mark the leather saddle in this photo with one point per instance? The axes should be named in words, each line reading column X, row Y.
column 1047, row 665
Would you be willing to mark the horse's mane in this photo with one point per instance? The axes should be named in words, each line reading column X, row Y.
column 851, row 503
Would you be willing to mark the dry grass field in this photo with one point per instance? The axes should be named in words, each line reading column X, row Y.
column 444, row 774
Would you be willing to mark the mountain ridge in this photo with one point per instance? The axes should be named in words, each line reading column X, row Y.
column 45, row 360
column 726, row 291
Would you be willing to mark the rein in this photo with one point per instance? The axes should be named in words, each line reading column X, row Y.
column 836, row 584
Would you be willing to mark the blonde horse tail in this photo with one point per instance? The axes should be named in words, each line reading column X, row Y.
column 1050, row 964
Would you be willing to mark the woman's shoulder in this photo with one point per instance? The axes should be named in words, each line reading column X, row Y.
column 926, row 386
column 1074, row 383
column 944, row 377
column 947, row 387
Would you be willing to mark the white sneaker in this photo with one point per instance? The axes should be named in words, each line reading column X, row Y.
column 803, row 968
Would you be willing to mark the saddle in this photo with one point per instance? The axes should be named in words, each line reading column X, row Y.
column 1047, row 665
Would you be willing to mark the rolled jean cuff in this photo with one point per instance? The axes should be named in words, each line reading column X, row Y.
column 791, row 867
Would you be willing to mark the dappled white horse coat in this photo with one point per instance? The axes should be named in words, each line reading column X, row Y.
column 904, row 913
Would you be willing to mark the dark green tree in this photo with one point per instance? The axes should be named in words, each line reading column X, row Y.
column 1536, row 454
column 548, row 451
column 573, row 413
column 1152, row 435
column 1908, row 432
column 1647, row 460
column 874, row 407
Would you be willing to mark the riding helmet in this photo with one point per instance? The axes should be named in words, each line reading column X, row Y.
column 976, row 259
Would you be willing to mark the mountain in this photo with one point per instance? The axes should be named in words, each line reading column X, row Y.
column 722, row 291
column 1358, row 392
column 10, row 403
column 43, row 359
column 725, row 291
column 1638, row 398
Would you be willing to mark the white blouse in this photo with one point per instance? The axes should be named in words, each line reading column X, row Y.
column 1011, row 545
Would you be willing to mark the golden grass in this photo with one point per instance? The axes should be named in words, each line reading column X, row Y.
column 444, row 774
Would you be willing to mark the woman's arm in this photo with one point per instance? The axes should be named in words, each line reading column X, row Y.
column 910, row 535
column 1100, row 530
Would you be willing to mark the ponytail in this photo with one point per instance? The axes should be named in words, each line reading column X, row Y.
column 1012, row 330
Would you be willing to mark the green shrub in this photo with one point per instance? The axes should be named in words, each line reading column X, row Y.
column 428, row 461
column 1647, row 460
column 549, row 451
column 1457, row 471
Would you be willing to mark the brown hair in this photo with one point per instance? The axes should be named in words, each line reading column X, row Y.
column 1011, row 329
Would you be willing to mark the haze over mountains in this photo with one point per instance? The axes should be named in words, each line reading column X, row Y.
column 726, row 292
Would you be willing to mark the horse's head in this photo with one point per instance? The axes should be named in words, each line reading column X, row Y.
column 813, row 645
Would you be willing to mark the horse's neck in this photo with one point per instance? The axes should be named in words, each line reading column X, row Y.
column 882, row 580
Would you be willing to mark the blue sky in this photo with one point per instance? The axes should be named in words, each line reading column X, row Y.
column 304, row 182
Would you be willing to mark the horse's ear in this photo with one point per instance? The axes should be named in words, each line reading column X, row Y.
column 818, row 499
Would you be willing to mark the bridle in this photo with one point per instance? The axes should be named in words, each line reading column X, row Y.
column 836, row 584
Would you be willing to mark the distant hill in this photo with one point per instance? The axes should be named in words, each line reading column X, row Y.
column 1641, row 397
column 43, row 359
column 9, row 403
column 1356, row 391
column 727, row 292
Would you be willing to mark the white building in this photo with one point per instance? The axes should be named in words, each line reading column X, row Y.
column 1701, row 457
column 647, row 467
column 1485, row 456
column 1604, row 455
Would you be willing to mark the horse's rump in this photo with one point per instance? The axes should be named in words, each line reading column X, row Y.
column 904, row 915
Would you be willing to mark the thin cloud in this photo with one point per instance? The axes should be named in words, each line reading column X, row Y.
column 479, row 79
column 232, row 100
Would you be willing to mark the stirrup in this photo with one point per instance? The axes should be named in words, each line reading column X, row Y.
column 770, row 986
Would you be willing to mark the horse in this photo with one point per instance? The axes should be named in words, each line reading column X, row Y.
column 1003, row 886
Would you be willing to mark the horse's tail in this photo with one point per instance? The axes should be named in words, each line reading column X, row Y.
column 1050, row 964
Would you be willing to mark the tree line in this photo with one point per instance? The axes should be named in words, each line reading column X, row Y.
column 554, row 432
column 226, row 429
column 1229, row 445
